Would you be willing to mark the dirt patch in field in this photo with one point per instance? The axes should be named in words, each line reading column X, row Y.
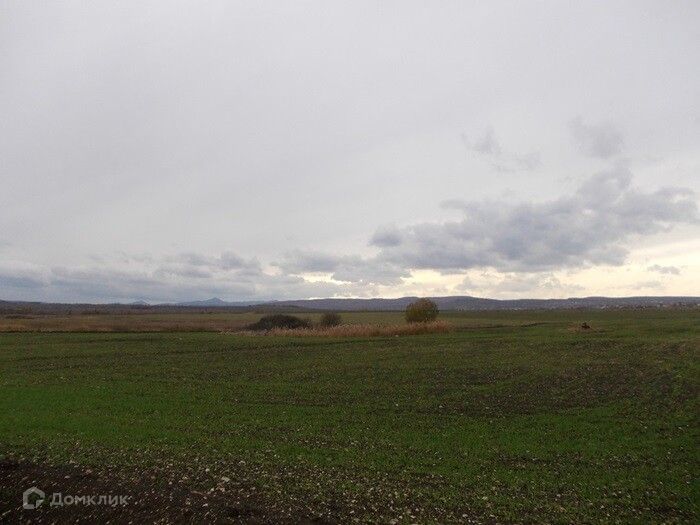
column 225, row 493
column 145, row 498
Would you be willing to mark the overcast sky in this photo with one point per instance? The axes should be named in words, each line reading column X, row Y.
column 167, row 151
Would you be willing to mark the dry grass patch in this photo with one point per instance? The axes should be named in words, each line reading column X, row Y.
column 184, row 322
column 361, row 330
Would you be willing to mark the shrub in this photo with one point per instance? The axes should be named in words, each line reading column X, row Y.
column 271, row 322
column 421, row 311
column 330, row 319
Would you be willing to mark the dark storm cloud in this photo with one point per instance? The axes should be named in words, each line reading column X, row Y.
column 596, row 140
column 592, row 226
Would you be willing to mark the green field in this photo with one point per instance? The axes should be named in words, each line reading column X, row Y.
column 513, row 417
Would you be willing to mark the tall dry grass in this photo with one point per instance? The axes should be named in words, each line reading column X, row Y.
column 361, row 330
column 124, row 323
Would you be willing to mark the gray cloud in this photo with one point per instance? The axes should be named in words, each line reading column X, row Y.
column 369, row 271
column 226, row 261
column 596, row 140
column 100, row 284
column 193, row 265
column 488, row 146
column 667, row 270
column 523, row 241
column 298, row 261
column 140, row 141
column 648, row 285
column 21, row 275
column 176, row 278
column 9, row 281
column 386, row 236
column 523, row 283
column 352, row 269
column 592, row 226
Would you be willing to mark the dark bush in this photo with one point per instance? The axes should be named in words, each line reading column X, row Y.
column 330, row 319
column 268, row 322
column 421, row 311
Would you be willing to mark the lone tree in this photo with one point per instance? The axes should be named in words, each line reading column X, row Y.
column 421, row 311
column 330, row 319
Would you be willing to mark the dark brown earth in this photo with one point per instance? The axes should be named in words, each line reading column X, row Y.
column 151, row 499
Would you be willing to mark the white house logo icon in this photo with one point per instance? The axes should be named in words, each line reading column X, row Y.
column 32, row 498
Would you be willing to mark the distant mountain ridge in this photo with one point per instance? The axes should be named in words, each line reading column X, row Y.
column 454, row 303
column 214, row 301
column 464, row 302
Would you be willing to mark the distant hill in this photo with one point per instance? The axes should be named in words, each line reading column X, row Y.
column 214, row 301
column 454, row 303
column 463, row 302
column 478, row 303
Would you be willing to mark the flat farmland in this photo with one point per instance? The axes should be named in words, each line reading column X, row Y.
column 615, row 322
column 512, row 417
